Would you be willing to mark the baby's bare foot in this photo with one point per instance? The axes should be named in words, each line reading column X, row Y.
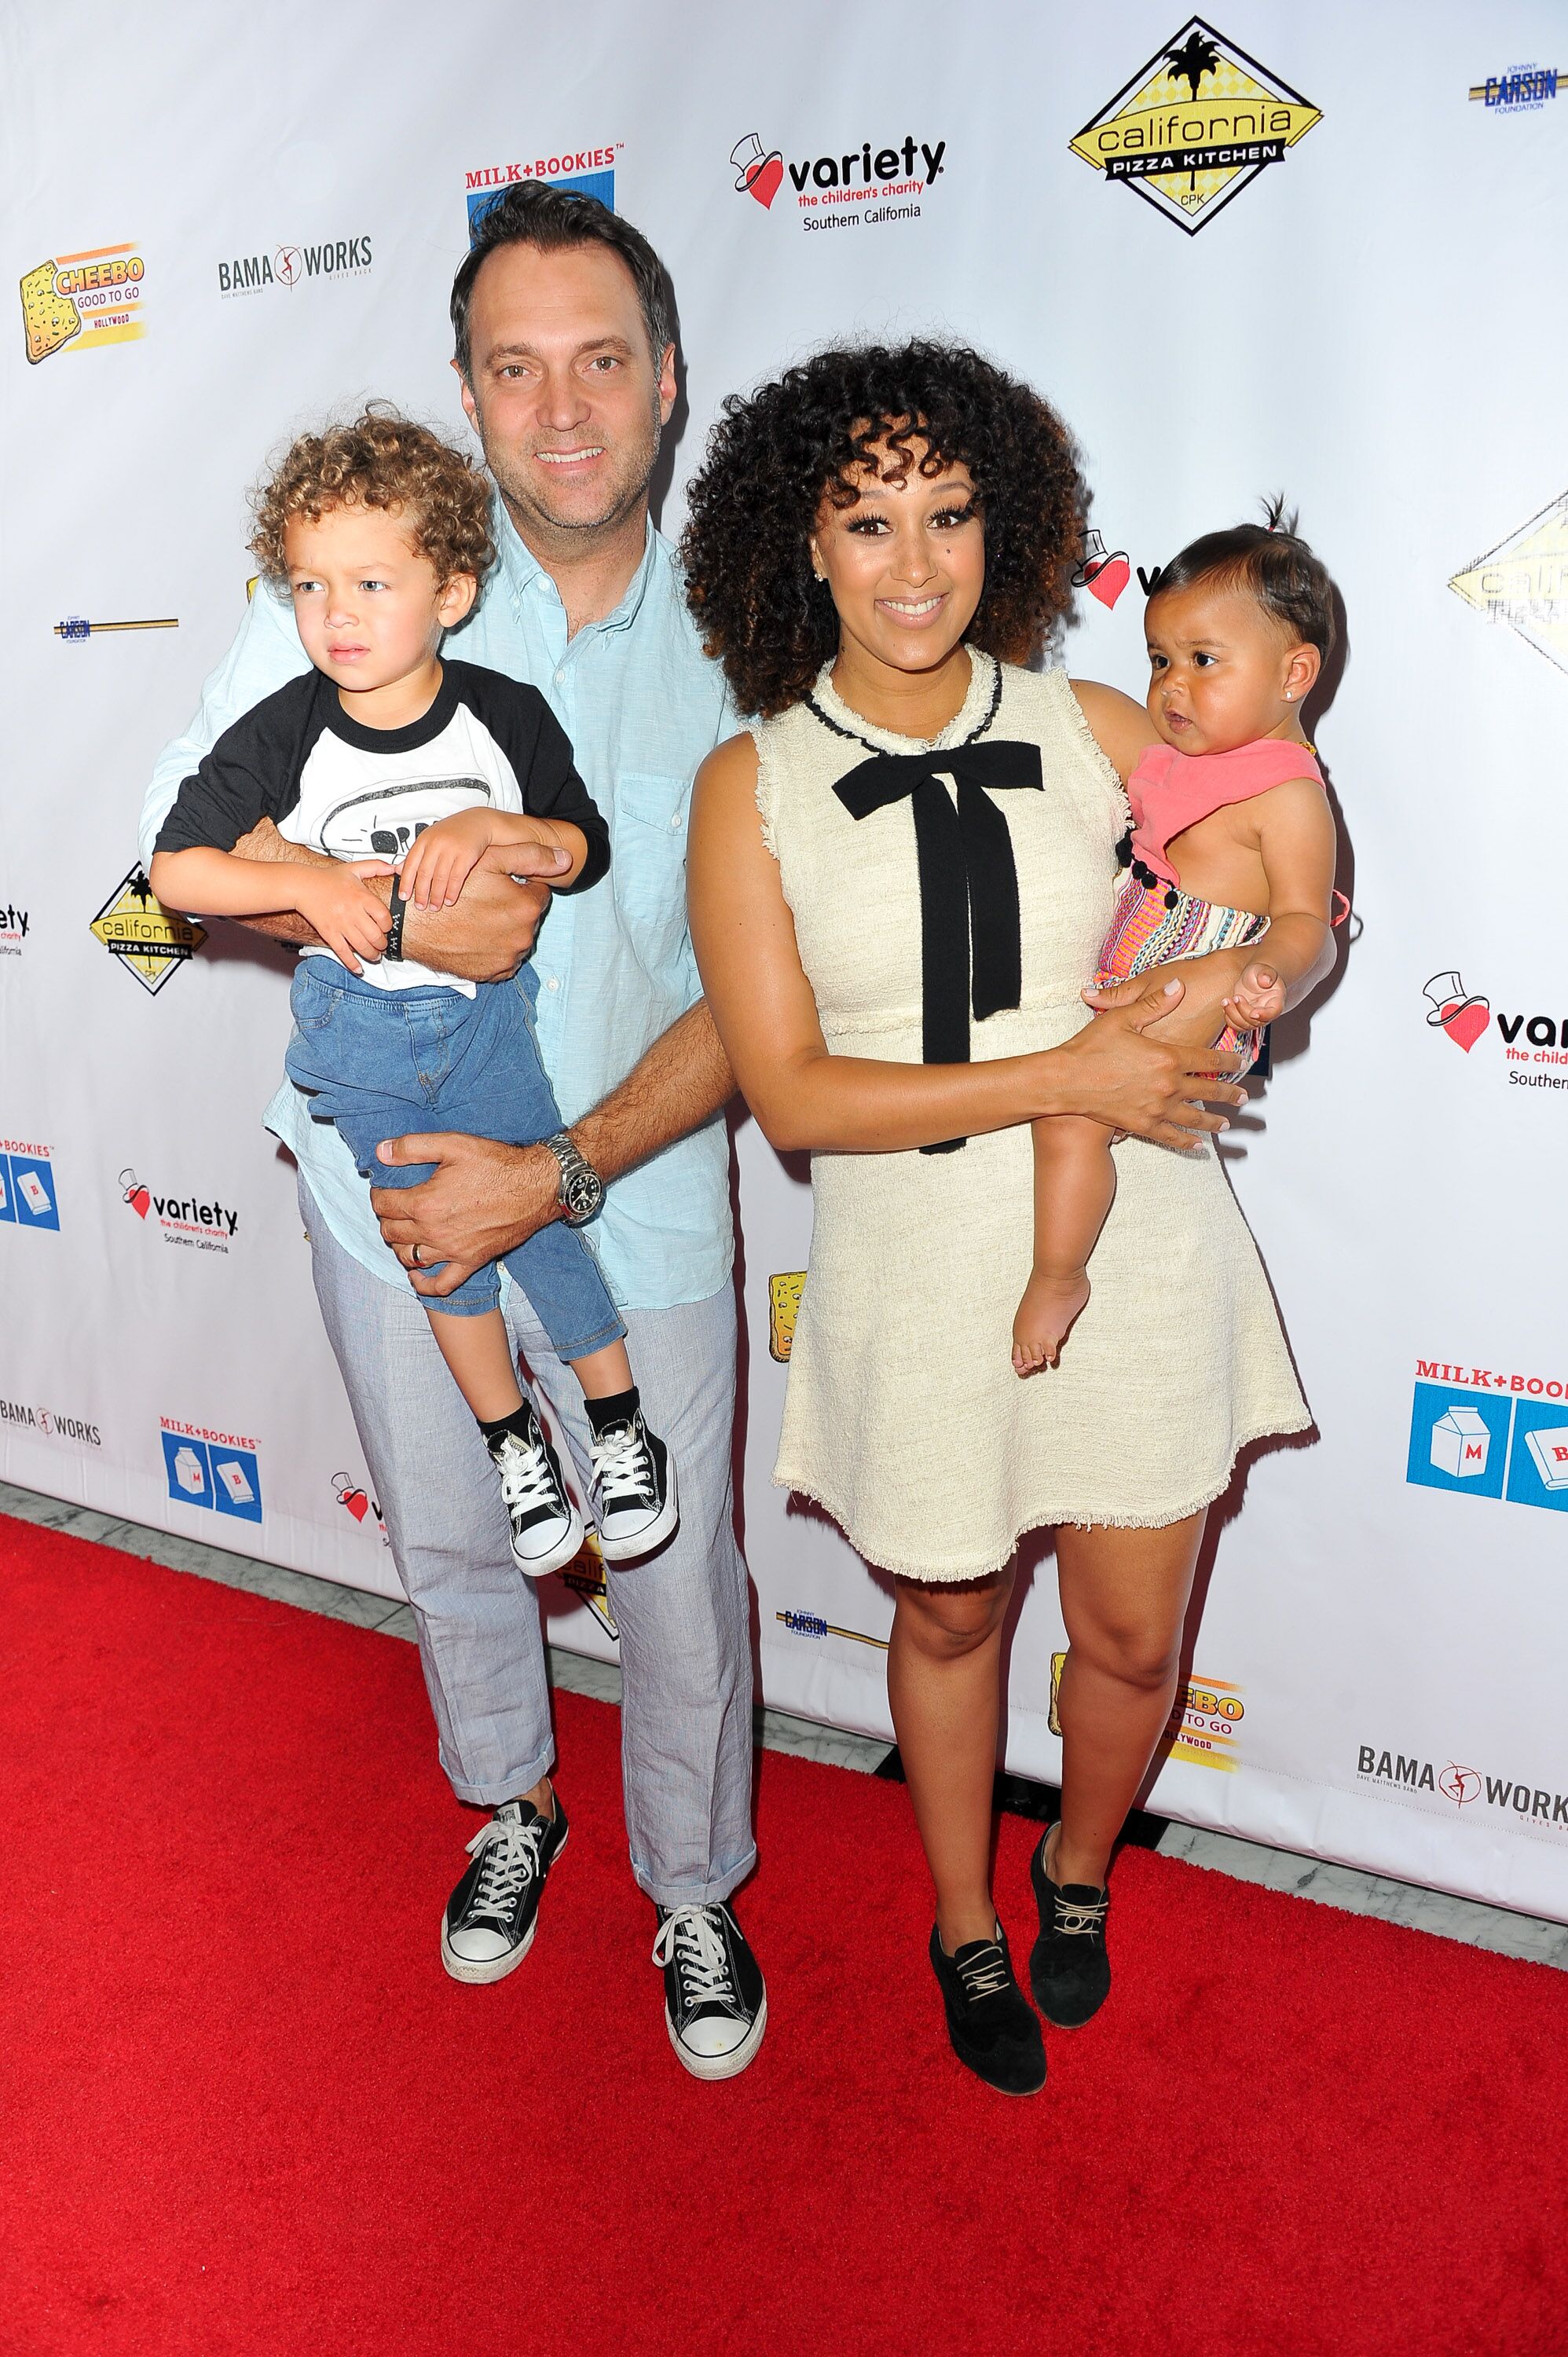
column 1046, row 1317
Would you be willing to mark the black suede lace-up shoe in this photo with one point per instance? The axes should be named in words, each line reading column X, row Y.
column 990, row 2020
column 493, row 1913
column 1069, row 1970
column 715, row 2006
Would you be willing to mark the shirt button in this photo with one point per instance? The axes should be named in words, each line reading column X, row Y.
column 559, row 674
column 553, row 982
column 675, row 822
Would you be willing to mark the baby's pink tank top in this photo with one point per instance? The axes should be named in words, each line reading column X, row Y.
column 1170, row 791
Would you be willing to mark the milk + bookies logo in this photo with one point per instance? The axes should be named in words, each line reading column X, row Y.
column 148, row 940
column 1489, row 1432
column 290, row 265
column 217, row 1469
column 27, row 1198
column 1534, row 1046
column 867, row 185
column 1524, row 583
column 591, row 171
column 1194, row 126
column 200, row 1224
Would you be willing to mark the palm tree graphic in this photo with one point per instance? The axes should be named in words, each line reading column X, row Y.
column 1196, row 58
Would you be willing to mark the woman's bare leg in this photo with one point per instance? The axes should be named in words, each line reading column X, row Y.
column 1125, row 1597
column 1075, row 1179
column 943, row 1674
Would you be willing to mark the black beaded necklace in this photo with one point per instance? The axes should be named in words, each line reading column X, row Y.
column 855, row 738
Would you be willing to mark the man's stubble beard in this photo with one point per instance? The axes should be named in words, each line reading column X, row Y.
column 524, row 506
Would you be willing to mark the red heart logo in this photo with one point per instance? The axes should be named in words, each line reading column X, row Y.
column 357, row 1503
column 1107, row 579
column 763, row 180
column 141, row 1203
column 1464, row 1025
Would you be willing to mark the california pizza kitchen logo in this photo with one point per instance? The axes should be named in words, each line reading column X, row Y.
column 200, row 1223
column 1194, row 125
column 288, row 266
column 866, row 185
column 148, row 940
column 1534, row 1046
column 1407, row 1776
column 20, row 1415
column 1524, row 583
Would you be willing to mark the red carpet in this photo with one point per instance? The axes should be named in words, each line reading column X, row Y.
column 245, row 2111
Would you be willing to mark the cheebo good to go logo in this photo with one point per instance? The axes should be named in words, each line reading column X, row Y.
column 1524, row 583
column 81, row 302
column 1194, row 126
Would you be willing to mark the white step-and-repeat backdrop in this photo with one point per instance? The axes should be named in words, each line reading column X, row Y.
column 1317, row 249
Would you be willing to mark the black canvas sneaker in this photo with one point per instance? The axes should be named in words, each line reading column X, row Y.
column 631, row 1490
column 491, row 1916
column 990, row 2020
column 715, row 2006
column 547, row 1528
column 1069, row 1970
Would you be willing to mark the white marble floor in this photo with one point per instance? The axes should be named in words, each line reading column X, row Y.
column 1345, row 1886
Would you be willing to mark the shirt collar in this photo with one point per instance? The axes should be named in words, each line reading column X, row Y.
column 526, row 578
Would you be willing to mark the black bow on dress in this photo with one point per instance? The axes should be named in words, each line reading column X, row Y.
column 971, row 941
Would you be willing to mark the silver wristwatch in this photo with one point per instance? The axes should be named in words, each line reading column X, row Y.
column 581, row 1190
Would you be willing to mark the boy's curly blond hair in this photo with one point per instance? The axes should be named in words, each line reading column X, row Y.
column 382, row 460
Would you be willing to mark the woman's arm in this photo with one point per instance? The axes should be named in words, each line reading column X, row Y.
column 332, row 896
column 803, row 1097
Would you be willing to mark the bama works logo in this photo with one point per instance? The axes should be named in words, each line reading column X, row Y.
column 290, row 265
column 1194, row 126
column 1490, row 1433
column 867, row 185
column 591, row 171
column 218, row 1469
column 1407, row 1779
column 28, row 1197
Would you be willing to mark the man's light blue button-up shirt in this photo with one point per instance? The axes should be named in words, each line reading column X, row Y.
column 643, row 706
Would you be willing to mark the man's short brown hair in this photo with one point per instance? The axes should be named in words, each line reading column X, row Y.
column 386, row 461
column 555, row 220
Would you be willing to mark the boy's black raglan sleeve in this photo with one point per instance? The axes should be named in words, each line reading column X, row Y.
column 541, row 755
column 251, row 773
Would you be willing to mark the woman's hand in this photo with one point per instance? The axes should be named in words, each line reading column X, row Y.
column 346, row 917
column 1113, row 1073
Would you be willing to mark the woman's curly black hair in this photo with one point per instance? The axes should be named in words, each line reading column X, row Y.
column 775, row 452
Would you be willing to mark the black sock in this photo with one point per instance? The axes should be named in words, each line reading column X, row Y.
column 517, row 1422
column 618, row 1408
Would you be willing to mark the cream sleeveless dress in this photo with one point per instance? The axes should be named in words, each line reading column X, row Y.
column 903, row 1415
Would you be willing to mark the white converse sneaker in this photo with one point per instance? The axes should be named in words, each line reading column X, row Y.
column 631, row 1490
column 547, row 1528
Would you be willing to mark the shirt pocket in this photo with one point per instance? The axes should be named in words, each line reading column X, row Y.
column 648, row 866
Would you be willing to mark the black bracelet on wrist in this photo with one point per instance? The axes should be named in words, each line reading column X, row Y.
column 399, row 907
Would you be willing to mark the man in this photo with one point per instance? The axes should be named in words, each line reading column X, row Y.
column 566, row 357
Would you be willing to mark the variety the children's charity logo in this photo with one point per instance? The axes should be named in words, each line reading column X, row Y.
column 1104, row 574
column 149, row 940
column 1522, row 89
column 217, row 1469
column 16, row 924
column 27, row 1198
column 783, row 1308
column 79, row 302
column 585, row 1575
column 1203, row 1727
column 1194, row 126
column 591, row 171
column 812, row 1624
column 1404, row 1776
column 1489, row 1432
column 49, row 1424
column 1524, row 582
column 867, row 185
column 1534, row 1046
column 290, row 265
column 76, row 627
column 359, row 1505
column 200, row 1225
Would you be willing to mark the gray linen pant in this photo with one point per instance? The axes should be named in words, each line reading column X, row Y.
column 684, row 1615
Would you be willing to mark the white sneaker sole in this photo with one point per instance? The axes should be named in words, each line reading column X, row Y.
column 491, row 1968
column 658, row 1531
column 721, row 2066
column 540, row 1566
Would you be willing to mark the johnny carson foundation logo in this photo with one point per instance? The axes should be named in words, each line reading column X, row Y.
column 1524, row 583
column 148, row 940
column 1194, row 125
column 200, row 1223
column 866, row 185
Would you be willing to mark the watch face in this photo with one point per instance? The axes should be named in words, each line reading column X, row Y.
column 581, row 1194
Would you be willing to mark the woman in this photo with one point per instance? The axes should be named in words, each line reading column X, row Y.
column 895, row 966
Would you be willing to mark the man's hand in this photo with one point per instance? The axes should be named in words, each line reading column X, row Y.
column 1119, row 1077
column 481, row 1202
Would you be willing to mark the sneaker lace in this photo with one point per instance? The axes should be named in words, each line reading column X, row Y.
column 689, row 1936
column 1081, row 1920
column 526, row 1478
column 622, row 1466
column 512, row 1861
column 985, row 1973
